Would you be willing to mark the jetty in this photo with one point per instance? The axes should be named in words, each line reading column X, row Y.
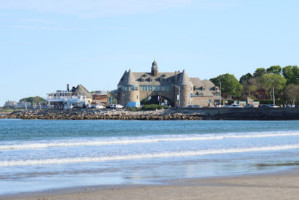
column 164, row 114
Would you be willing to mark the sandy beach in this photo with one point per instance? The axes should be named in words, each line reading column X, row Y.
column 282, row 185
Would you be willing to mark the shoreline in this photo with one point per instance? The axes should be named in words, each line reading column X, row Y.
column 167, row 114
column 281, row 184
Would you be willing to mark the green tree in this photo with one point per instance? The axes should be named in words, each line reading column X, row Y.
column 291, row 93
column 250, row 86
column 34, row 100
column 229, row 84
column 276, row 69
column 245, row 77
column 291, row 73
column 270, row 81
column 259, row 72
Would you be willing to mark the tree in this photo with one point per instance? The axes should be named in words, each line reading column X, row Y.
column 33, row 100
column 245, row 77
column 250, row 86
column 291, row 93
column 229, row 84
column 291, row 73
column 271, row 82
column 259, row 72
column 276, row 69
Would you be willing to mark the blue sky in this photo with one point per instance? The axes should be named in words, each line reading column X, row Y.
column 45, row 44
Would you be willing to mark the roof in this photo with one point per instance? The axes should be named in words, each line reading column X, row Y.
column 99, row 92
column 184, row 79
column 206, row 86
column 128, row 78
column 81, row 90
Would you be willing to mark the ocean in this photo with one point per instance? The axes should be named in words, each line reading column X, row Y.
column 37, row 155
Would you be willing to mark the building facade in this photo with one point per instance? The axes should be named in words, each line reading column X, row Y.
column 99, row 98
column 171, row 88
column 77, row 97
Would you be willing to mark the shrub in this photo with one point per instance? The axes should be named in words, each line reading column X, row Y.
column 153, row 107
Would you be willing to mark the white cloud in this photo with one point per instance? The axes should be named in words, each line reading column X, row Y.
column 90, row 8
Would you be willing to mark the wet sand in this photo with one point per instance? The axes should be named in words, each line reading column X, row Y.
column 282, row 185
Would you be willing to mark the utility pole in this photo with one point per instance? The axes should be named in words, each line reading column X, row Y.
column 220, row 94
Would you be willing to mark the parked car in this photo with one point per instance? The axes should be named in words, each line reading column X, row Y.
column 98, row 106
column 193, row 106
column 233, row 106
column 290, row 106
column 263, row 106
column 115, row 106
column 249, row 106
column 272, row 106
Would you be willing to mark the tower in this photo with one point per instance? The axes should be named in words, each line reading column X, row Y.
column 154, row 71
column 185, row 89
column 129, row 95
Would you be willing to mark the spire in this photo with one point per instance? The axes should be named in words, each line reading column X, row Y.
column 154, row 70
column 123, row 78
column 131, row 78
column 184, row 79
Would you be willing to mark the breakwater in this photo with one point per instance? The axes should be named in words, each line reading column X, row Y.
column 168, row 114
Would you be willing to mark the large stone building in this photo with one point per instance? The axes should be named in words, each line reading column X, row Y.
column 172, row 88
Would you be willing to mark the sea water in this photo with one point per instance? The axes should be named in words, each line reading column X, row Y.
column 40, row 155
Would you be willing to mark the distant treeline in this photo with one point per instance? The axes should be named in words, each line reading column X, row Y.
column 280, row 83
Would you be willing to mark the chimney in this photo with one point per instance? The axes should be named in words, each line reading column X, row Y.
column 68, row 87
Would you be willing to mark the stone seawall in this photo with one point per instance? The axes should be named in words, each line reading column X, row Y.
column 169, row 114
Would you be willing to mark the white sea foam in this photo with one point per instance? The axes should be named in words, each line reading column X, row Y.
column 144, row 156
column 169, row 138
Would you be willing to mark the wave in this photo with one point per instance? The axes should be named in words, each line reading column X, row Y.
column 144, row 156
column 169, row 138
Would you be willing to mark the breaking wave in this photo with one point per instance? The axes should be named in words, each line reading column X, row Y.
column 144, row 156
column 120, row 141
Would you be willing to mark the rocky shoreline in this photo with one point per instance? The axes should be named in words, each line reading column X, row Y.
column 168, row 114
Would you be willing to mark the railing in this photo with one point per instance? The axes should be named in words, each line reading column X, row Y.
column 66, row 97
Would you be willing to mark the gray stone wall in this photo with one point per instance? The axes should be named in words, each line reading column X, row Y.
column 128, row 96
column 185, row 96
column 204, row 101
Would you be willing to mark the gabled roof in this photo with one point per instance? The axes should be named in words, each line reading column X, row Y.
column 81, row 90
column 206, row 86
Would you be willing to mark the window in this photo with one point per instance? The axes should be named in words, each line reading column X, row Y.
column 156, row 88
column 136, row 87
column 131, row 88
column 149, row 88
column 162, row 88
column 144, row 88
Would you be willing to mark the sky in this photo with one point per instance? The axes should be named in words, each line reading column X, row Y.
column 46, row 44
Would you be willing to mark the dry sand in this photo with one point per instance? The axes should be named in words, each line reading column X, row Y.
column 280, row 186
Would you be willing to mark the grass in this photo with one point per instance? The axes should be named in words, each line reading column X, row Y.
column 148, row 107
column 9, row 110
